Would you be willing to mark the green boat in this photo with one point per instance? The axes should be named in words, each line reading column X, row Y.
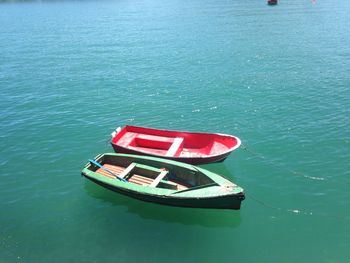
column 163, row 181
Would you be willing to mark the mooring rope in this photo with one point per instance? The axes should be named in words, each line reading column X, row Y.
column 296, row 211
column 279, row 166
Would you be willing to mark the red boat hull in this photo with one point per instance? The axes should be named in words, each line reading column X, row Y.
column 188, row 147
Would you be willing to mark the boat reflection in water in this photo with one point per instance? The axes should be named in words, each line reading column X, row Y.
column 126, row 208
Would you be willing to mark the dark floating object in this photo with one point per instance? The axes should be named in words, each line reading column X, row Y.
column 272, row 2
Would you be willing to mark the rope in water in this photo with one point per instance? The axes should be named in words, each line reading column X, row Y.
column 288, row 210
column 260, row 156
column 296, row 211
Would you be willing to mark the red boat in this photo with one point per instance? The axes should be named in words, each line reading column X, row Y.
column 188, row 147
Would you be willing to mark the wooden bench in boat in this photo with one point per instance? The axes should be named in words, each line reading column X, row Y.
column 178, row 142
column 159, row 178
column 144, row 180
column 167, row 185
column 149, row 137
column 137, row 177
column 127, row 170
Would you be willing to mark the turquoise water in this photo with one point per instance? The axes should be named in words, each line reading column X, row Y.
column 277, row 77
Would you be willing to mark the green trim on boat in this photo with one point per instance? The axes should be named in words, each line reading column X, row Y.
column 181, row 185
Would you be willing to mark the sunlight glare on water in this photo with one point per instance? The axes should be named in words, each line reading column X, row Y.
column 276, row 77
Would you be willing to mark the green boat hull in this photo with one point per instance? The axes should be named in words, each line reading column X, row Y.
column 223, row 202
column 214, row 192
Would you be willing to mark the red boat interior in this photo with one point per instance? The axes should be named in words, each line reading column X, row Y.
column 172, row 143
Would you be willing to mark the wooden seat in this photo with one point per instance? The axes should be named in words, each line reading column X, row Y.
column 175, row 146
column 167, row 185
column 159, row 178
column 127, row 170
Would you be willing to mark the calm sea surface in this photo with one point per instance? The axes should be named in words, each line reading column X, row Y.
column 277, row 77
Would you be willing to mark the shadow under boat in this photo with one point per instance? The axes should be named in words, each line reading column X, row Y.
column 206, row 217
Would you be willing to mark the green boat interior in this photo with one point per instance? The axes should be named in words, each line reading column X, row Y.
column 150, row 173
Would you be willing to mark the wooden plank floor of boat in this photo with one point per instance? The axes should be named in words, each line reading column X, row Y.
column 134, row 178
column 113, row 168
